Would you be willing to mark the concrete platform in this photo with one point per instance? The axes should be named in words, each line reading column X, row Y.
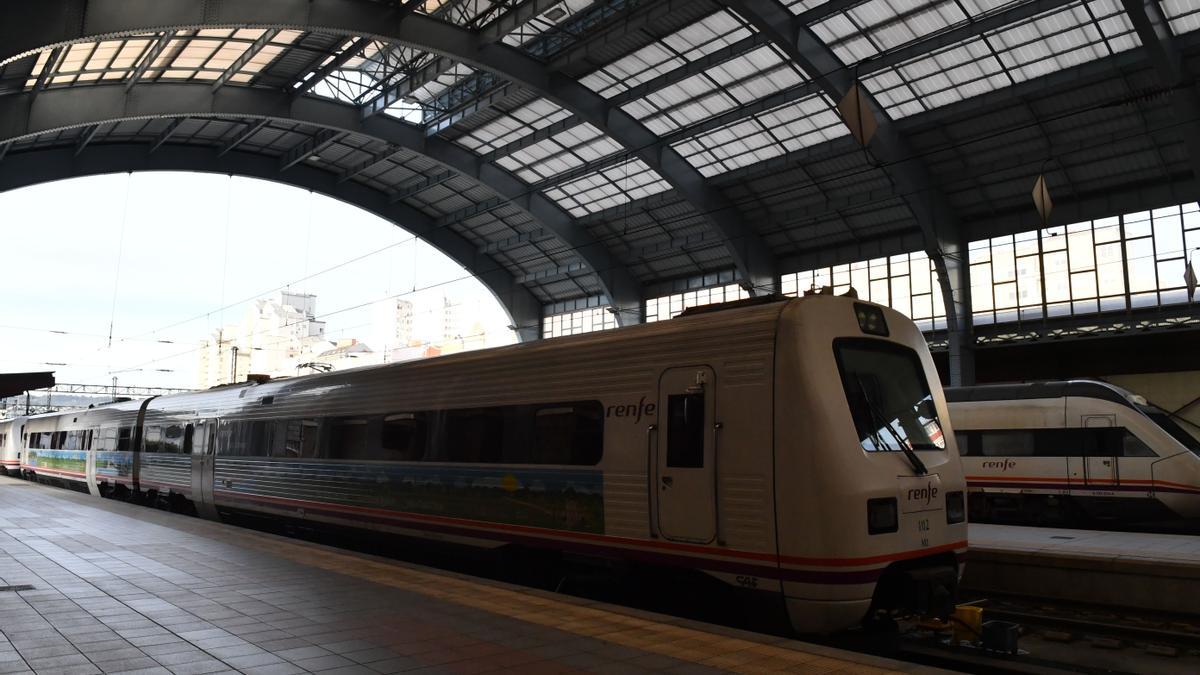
column 128, row 589
column 1158, row 572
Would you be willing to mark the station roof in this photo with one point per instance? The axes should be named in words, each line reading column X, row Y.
column 582, row 148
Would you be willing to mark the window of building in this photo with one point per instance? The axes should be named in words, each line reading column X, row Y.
column 577, row 323
column 671, row 306
column 908, row 283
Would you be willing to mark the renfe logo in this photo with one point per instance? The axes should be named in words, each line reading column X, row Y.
column 1003, row 466
column 925, row 494
column 631, row 410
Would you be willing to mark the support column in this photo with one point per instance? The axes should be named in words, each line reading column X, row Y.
column 950, row 261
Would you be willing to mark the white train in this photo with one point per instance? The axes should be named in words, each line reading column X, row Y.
column 797, row 449
column 1063, row 452
column 10, row 445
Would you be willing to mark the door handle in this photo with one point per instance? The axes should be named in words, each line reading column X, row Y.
column 667, row 482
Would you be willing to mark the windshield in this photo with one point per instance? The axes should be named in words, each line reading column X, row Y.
column 889, row 397
column 1163, row 419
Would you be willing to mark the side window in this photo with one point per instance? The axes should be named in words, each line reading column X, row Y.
column 260, row 438
column 348, row 439
column 1132, row 446
column 172, row 439
column 125, row 439
column 233, row 438
column 1006, row 443
column 189, row 433
column 152, row 439
column 569, row 434
column 685, row 430
column 474, row 435
column 402, row 437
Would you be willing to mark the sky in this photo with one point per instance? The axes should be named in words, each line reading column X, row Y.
column 159, row 261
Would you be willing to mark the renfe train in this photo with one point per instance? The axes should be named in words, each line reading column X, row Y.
column 1072, row 451
column 798, row 448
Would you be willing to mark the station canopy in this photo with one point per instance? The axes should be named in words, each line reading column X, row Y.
column 594, row 151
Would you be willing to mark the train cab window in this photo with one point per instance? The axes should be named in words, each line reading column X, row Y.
column 1132, row 446
column 125, row 439
column 473, row 435
column 569, row 434
column 402, row 437
column 888, row 396
column 685, row 430
column 348, row 439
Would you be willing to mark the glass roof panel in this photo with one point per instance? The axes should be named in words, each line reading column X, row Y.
column 513, row 126
column 562, row 152
column 763, row 136
column 1183, row 15
column 543, row 23
column 683, row 46
column 875, row 26
column 611, row 187
column 1047, row 43
column 800, row 6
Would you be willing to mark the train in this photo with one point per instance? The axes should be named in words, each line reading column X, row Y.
column 795, row 449
column 1073, row 452
column 11, row 430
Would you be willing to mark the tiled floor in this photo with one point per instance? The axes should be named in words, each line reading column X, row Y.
column 121, row 588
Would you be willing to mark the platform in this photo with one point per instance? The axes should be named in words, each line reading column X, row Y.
column 123, row 588
column 1158, row 572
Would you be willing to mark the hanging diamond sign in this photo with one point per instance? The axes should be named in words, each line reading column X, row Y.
column 858, row 116
column 1189, row 278
column 1041, row 199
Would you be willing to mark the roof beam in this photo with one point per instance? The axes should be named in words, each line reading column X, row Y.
column 309, row 147
column 47, row 68
column 242, row 136
column 240, row 62
column 939, row 223
column 4, row 147
column 86, row 138
column 303, row 85
column 421, row 186
column 1159, row 46
column 167, row 133
column 150, row 57
column 367, row 163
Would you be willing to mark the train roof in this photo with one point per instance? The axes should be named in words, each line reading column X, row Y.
column 1032, row 390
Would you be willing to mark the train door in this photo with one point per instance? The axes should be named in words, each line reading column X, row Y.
column 202, row 445
column 1100, row 463
column 684, row 491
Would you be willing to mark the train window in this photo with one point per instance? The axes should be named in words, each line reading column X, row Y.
column 172, row 439
column 1007, row 444
column 569, row 434
column 189, row 432
column 152, row 439
column 473, row 435
column 202, row 438
column 1164, row 420
column 1132, row 446
column 125, row 439
column 348, row 439
column 402, row 437
column 888, row 396
column 685, row 430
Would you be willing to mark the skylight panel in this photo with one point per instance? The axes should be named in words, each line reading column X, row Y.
column 764, row 136
column 867, row 29
column 688, row 102
column 608, row 188
column 1061, row 40
column 562, row 152
column 960, row 72
column 754, row 75
column 513, row 126
column 694, row 41
column 1183, row 15
column 801, row 6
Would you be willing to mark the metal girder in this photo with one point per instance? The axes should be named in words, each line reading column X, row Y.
column 309, row 147
column 241, row 61
column 944, row 241
column 1159, row 46
column 4, row 147
column 481, row 102
column 420, row 77
column 82, row 106
column 40, row 166
column 86, row 138
column 421, row 186
column 249, row 130
column 367, row 163
column 300, row 86
column 42, row 26
column 148, row 60
column 49, row 67
column 514, row 18
column 167, row 133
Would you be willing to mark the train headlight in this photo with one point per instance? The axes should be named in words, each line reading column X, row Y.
column 882, row 515
column 870, row 319
column 955, row 511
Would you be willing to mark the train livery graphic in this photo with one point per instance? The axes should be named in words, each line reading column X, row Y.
column 1066, row 451
column 795, row 449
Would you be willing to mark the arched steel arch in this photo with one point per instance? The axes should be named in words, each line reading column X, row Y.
column 29, row 114
column 49, row 23
column 21, row 169
column 940, row 228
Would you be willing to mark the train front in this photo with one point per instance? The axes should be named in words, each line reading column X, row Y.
column 869, row 487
